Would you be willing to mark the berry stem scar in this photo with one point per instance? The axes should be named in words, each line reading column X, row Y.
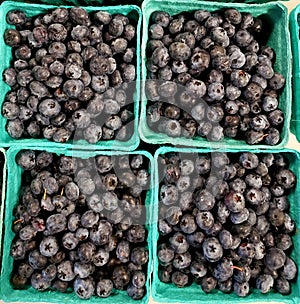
column 236, row 267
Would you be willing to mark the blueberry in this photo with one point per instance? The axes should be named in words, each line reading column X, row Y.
column 180, row 279
column 116, row 27
column 83, row 270
column 269, row 103
column 156, row 31
column 223, row 270
column 129, row 32
column 139, row 256
column 283, row 241
column 57, row 32
column 237, row 59
column 179, row 51
column 49, row 273
column 36, row 260
column 216, row 91
column 60, row 15
column 39, row 283
column 275, row 259
column 241, row 289
column 73, row 88
column 93, row 133
column 235, row 201
column 102, row 17
column 276, row 217
column 17, row 250
column 12, row 37
column 104, row 288
column 226, row 239
column 50, row 185
column 233, row 16
column 277, row 82
column 25, row 270
column 138, row 279
column 182, row 261
column 264, row 283
column 60, row 286
column 225, row 287
column 69, row 241
column 61, row 135
column 58, row 257
column 38, row 89
column 289, row 271
column 84, row 288
column 282, row 286
column 239, row 78
column 212, row 249
column 128, row 72
column 10, row 111
column 10, row 76
column 16, row 17
column 56, row 223
column 208, row 284
column 26, row 159
column 219, row 35
column 82, row 234
column 135, row 293
column 120, row 277
column 100, row 83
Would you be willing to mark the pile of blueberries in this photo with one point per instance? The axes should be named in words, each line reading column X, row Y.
column 80, row 224
column 72, row 75
column 211, row 75
column 224, row 222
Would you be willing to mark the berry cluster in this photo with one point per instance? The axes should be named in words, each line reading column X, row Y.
column 80, row 223
column 211, row 75
column 71, row 72
column 224, row 222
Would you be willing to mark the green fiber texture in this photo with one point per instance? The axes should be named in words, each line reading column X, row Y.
column 65, row 2
column 2, row 199
column 162, row 292
column 277, row 16
column 133, row 12
column 246, row 1
column 14, row 182
column 295, row 30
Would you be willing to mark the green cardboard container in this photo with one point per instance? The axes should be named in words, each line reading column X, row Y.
column 2, row 198
column 14, row 181
column 133, row 12
column 277, row 16
column 162, row 292
column 61, row 2
column 295, row 37
column 246, row 1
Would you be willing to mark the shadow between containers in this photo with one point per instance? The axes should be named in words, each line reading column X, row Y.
column 162, row 292
column 295, row 38
column 7, row 292
column 2, row 198
column 278, row 16
column 35, row 9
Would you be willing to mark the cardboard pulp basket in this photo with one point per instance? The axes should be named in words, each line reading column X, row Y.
column 163, row 292
column 2, row 198
column 276, row 15
column 295, row 35
column 133, row 12
column 7, row 292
